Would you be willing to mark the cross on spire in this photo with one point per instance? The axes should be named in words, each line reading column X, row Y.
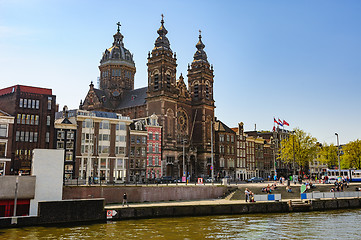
column 118, row 23
column 162, row 16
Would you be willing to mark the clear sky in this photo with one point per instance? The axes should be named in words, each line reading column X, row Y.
column 294, row 60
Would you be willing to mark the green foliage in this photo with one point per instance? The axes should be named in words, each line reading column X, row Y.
column 328, row 155
column 352, row 154
column 299, row 146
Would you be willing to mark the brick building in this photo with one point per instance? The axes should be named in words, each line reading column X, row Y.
column 34, row 111
column 184, row 112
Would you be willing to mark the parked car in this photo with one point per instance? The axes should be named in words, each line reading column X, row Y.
column 166, row 179
column 207, row 180
column 255, row 179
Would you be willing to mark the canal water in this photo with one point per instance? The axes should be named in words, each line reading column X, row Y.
column 340, row 224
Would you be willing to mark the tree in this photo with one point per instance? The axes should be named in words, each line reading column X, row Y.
column 352, row 154
column 328, row 155
column 300, row 147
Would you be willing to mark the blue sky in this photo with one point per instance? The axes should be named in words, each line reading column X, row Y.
column 295, row 60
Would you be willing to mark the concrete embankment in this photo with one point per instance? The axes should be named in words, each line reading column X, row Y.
column 224, row 207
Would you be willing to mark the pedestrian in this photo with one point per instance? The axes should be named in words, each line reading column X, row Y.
column 125, row 199
column 246, row 192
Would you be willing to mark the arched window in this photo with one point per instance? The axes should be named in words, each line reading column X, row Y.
column 196, row 90
column 170, row 123
column 207, row 90
column 168, row 81
column 156, row 82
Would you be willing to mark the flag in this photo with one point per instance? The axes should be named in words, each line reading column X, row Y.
column 275, row 120
column 285, row 123
column 280, row 122
column 274, row 128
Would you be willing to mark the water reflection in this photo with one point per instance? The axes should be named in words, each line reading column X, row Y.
column 312, row 225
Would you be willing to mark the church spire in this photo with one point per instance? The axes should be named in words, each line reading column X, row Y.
column 200, row 54
column 118, row 37
column 162, row 41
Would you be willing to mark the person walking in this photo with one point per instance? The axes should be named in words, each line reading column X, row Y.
column 125, row 199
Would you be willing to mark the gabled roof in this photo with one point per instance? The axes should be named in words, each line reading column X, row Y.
column 221, row 127
column 2, row 113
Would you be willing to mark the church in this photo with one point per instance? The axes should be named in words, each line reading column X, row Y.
column 184, row 112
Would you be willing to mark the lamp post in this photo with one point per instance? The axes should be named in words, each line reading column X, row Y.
column 184, row 171
column 212, row 167
column 294, row 156
column 338, row 155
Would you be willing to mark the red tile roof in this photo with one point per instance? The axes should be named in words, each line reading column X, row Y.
column 29, row 89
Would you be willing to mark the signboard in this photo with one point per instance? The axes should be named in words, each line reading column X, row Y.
column 183, row 179
column 200, row 181
column 111, row 213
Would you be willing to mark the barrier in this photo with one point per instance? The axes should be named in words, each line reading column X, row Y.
column 319, row 195
column 267, row 197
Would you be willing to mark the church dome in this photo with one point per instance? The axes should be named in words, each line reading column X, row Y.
column 162, row 42
column 117, row 52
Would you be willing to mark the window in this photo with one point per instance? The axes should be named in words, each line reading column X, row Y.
column 32, row 120
column 26, row 136
column 150, row 161
column 68, row 156
column 60, row 145
column 156, row 160
column 138, row 139
column 31, row 137
column 120, row 138
column 47, row 120
column 232, row 138
column 132, row 139
column 132, row 150
column 35, row 137
column 2, row 149
column 3, row 130
column 18, row 119
column 60, row 135
column 104, row 125
column 47, row 137
column 70, row 135
column 120, row 126
column 143, row 151
column 168, row 81
column 21, row 102
column 221, row 138
column 156, row 148
column 207, row 91
column 23, row 117
column 69, row 145
column 150, row 136
column 144, row 139
column 227, row 138
column 25, row 103
column 22, row 136
column 36, row 120
column 119, row 150
column 150, row 148
column 196, row 89
column 156, row 82
column 17, row 136
column 156, row 136
column 33, row 103
column 37, row 104
column 49, row 103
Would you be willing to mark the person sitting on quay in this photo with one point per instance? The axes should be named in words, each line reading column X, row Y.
column 289, row 189
column 251, row 197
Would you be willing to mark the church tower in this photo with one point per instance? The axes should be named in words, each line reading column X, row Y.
column 162, row 67
column 117, row 69
column 200, row 85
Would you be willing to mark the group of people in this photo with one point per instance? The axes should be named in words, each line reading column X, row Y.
column 249, row 195
column 269, row 188
column 339, row 186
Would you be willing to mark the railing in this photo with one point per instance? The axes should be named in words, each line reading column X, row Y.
column 319, row 195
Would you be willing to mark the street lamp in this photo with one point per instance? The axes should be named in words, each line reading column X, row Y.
column 338, row 155
column 184, row 171
column 212, row 167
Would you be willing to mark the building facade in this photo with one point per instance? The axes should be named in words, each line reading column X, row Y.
column 184, row 112
column 6, row 129
column 34, row 111
column 65, row 137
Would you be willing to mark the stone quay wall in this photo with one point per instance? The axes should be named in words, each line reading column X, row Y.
column 114, row 194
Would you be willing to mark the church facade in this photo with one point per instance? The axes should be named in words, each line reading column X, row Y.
column 185, row 112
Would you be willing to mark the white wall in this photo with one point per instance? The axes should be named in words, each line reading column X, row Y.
column 48, row 167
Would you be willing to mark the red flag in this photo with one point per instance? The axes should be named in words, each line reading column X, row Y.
column 274, row 128
column 275, row 120
column 280, row 122
column 286, row 123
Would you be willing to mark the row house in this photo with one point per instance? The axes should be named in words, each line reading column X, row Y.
column 241, row 167
column 33, row 109
column 100, row 145
column 65, row 137
column 225, row 150
column 6, row 128
column 145, row 150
